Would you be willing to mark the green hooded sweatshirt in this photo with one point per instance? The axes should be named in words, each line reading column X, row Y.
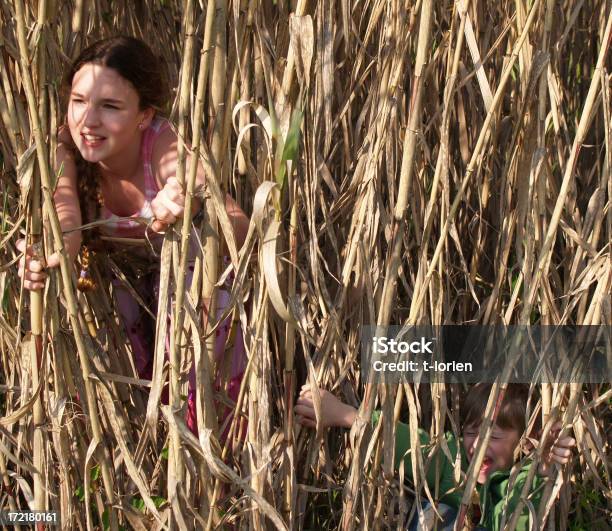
column 493, row 494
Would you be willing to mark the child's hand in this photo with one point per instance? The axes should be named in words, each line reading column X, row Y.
column 560, row 451
column 33, row 269
column 334, row 412
column 168, row 205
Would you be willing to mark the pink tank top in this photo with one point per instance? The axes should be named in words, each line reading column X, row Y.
column 130, row 228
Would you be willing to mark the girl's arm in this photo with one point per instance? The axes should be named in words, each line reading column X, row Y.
column 169, row 204
column 66, row 196
column 69, row 213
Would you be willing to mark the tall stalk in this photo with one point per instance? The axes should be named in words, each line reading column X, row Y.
column 407, row 168
column 215, row 40
column 203, row 368
column 66, row 270
column 36, row 297
column 176, row 466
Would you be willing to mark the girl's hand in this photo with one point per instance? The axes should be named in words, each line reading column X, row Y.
column 33, row 270
column 560, row 451
column 334, row 412
column 168, row 205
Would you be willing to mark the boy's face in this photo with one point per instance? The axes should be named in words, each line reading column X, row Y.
column 500, row 452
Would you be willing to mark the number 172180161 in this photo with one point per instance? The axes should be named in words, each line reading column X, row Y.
column 28, row 518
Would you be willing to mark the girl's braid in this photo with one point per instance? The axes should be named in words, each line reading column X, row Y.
column 90, row 200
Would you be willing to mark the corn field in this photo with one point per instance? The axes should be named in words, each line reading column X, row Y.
column 400, row 162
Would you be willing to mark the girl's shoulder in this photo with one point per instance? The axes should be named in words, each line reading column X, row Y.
column 159, row 132
column 160, row 138
column 162, row 150
column 158, row 125
column 64, row 155
column 63, row 135
column 65, row 144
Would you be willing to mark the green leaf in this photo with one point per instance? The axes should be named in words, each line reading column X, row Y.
column 164, row 453
column 291, row 146
column 5, row 300
column 5, row 206
column 158, row 501
column 292, row 142
column 138, row 504
column 94, row 474
column 515, row 279
column 80, row 493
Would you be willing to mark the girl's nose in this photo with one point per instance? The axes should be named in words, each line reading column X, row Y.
column 90, row 116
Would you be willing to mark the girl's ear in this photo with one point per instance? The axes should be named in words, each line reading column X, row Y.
column 147, row 117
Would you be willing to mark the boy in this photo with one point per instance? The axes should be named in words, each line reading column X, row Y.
column 494, row 474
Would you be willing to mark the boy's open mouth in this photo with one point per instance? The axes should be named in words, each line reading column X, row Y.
column 487, row 463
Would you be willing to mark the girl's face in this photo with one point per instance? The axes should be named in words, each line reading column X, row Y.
column 104, row 114
column 500, row 452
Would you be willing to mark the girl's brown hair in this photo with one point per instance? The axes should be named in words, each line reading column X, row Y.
column 134, row 61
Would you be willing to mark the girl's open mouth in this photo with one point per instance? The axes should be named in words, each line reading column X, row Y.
column 92, row 140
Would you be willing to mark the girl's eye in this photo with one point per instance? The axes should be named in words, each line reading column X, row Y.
column 77, row 101
column 110, row 106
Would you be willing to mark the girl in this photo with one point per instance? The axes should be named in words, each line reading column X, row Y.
column 118, row 160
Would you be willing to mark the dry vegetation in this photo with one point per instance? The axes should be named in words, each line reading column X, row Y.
column 435, row 162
